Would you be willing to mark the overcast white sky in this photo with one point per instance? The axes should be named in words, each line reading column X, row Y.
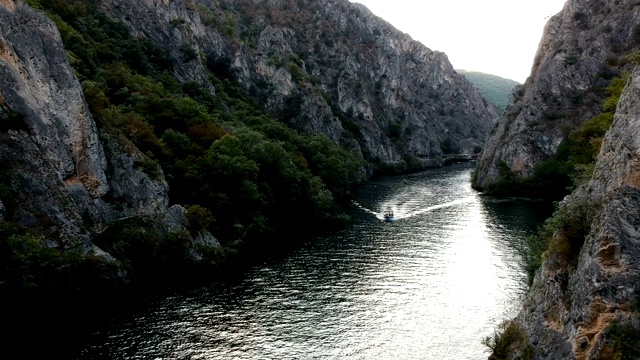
column 498, row 37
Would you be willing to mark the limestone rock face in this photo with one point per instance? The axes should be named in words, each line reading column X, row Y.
column 569, row 311
column 582, row 47
column 53, row 157
column 577, row 301
column 325, row 67
column 49, row 97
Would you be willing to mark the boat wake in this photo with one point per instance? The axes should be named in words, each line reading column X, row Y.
column 401, row 212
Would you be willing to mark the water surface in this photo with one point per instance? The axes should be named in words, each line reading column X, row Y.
column 430, row 285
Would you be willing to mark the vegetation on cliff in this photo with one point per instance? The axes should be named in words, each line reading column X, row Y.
column 507, row 340
column 564, row 232
column 571, row 165
column 242, row 174
column 561, row 239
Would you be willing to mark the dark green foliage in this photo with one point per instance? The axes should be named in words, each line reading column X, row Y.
column 394, row 131
column 199, row 217
column 448, row 146
column 561, row 237
column 246, row 175
column 30, row 269
column 292, row 108
column 531, row 251
column 413, row 164
column 573, row 162
column 566, row 230
column 550, row 180
column 494, row 88
column 188, row 53
column 625, row 342
column 143, row 252
column 297, row 74
column 92, row 39
column 220, row 67
column 11, row 120
column 508, row 342
column 149, row 167
column 207, row 16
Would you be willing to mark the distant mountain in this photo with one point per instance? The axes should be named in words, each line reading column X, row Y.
column 495, row 88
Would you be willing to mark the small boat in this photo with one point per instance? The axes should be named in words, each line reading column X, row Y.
column 388, row 215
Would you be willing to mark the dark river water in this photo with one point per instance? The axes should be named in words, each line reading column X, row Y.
column 430, row 285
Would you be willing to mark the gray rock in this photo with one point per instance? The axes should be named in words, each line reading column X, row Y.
column 335, row 60
column 203, row 242
column 175, row 222
column 569, row 310
column 581, row 47
column 48, row 97
column 69, row 181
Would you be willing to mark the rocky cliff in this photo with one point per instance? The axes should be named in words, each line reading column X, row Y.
column 582, row 48
column 583, row 303
column 150, row 72
column 61, row 177
column 324, row 67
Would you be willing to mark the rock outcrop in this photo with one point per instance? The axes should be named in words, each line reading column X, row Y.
column 325, row 67
column 66, row 180
column 576, row 311
column 582, row 48
column 583, row 301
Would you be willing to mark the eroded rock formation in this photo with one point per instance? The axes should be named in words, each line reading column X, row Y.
column 583, row 301
column 326, row 67
column 582, row 48
column 573, row 309
column 69, row 180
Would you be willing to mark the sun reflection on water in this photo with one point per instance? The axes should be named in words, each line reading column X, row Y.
column 430, row 285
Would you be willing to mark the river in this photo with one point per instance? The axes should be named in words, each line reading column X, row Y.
column 430, row 285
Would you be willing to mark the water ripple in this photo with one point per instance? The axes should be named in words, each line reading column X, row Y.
column 429, row 286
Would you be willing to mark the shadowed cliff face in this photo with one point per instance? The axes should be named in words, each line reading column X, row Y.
column 325, row 67
column 582, row 48
column 67, row 180
column 49, row 97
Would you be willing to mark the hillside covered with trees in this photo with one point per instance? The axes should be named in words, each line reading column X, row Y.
column 146, row 142
column 494, row 88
